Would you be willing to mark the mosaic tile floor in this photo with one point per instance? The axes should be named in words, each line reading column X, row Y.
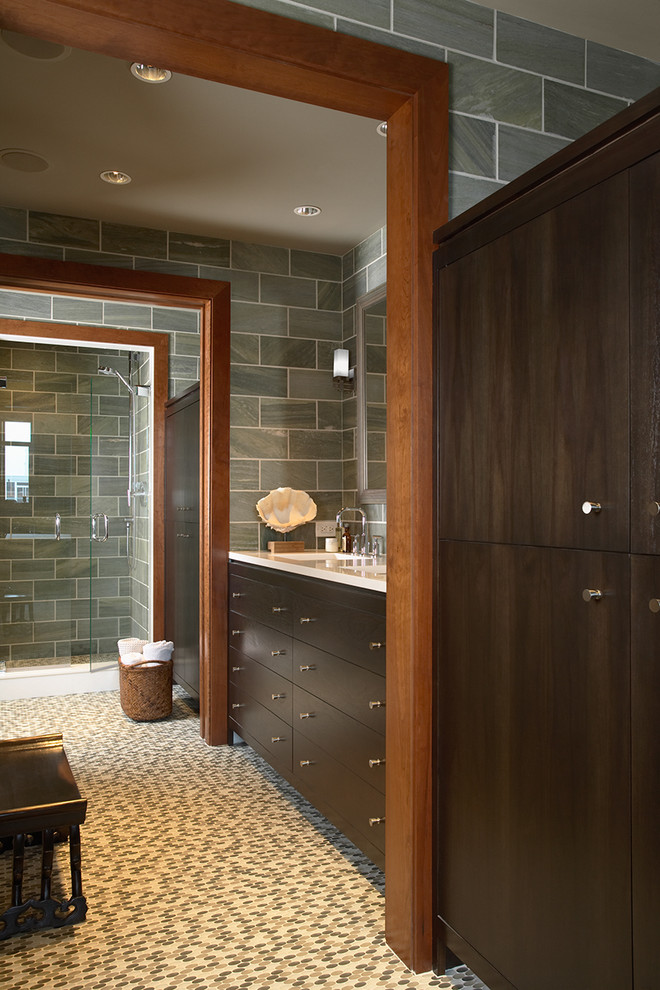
column 201, row 867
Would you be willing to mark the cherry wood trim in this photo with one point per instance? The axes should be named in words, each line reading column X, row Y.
column 245, row 47
column 212, row 299
column 136, row 340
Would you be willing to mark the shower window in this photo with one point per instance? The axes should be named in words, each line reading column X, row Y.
column 17, row 461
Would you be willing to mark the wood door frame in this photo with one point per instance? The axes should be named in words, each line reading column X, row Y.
column 244, row 47
column 212, row 299
column 126, row 340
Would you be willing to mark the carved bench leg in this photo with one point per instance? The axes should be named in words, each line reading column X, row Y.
column 48, row 842
column 74, row 853
column 17, row 870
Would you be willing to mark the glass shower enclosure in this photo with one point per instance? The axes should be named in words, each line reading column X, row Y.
column 75, row 469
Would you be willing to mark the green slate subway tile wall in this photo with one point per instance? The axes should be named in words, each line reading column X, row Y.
column 288, row 425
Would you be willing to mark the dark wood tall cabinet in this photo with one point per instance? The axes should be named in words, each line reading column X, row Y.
column 548, row 591
column 182, row 536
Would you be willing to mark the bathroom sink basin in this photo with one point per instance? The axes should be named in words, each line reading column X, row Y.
column 346, row 561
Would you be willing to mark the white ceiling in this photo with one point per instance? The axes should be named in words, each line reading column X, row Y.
column 215, row 160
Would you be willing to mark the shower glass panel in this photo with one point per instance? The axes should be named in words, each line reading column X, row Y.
column 75, row 558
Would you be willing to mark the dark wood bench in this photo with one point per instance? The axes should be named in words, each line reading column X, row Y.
column 38, row 794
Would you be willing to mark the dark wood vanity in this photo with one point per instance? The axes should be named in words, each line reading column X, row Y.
column 548, row 590
column 307, row 691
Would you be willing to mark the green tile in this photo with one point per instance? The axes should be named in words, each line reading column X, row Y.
column 25, row 305
column 311, row 384
column 185, row 344
column 288, row 291
column 354, row 287
column 77, row 310
column 244, row 285
column 258, row 443
column 32, row 360
column 53, row 228
column 288, row 413
column 377, row 274
column 127, row 315
column 244, row 410
column 13, row 223
column 244, row 536
column 246, row 380
column 242, row 506
column 257, row 318
column 486, row 89
column 465, row 191
column 368, row 250
column 620, row 73
column 472, row 145
column 521, row 150
column 329, row 296
column 199, row 250
column 244, row 348
column 31, row 250
column 317, row 444
column 163, row 267
column 376, row 362
column 293, row 474
column 186, row 320
column 330, row 474
column 99, row 258
column 571, row 112
column 457, row 24
column 530, row 46
column 287, row 352
column 315, row 324
column 309, row 264
column 259, row 258
column 119, row 238
column 382, row 37
column 244, row 474
column 329, row 415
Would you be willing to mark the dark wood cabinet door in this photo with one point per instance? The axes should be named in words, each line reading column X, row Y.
column 533, row 379
column 182, row 456
column 533, row 801
column 645, row 598
column 645, row 355
column 182, row 597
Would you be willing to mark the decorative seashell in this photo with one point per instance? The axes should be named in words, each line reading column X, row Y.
column 284, row 509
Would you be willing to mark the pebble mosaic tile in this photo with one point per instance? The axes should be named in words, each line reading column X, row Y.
column 202, row 869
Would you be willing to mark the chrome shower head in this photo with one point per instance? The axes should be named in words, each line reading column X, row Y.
column 104, row 369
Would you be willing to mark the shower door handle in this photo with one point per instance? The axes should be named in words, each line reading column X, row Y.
column 106, row 533
column 58, row 526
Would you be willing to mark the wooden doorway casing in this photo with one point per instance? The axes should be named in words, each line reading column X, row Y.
column 212, row 299
column 240, row 46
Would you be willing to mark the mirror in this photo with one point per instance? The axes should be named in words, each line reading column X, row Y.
column 371, row 388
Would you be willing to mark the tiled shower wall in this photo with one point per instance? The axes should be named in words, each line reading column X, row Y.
column 69, row 597
column 518, row 91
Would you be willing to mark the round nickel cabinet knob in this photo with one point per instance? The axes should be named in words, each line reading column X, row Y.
column 589, row 507
column 654, row 605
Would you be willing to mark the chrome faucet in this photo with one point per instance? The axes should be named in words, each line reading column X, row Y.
column 363, row 538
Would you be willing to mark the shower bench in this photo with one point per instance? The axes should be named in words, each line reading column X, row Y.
column 38, row 794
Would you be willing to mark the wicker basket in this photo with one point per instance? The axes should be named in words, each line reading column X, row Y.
column 145, row 692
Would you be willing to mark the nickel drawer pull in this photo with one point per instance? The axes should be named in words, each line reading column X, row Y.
column 306, row 715
column 183, row 536
column 236, row 594
column 307, row 666
column 376, row 704
column 304, row 619
column 376, row 646
column 277, row 739
column 306, row 763
column 277, row 608
column 274, row 697
column 591, row 594
column 238, row 668
column 236, row 632
column 278, row 653
column 376, row 821
column 236, row 705
column 589, row 507
column 376, row 763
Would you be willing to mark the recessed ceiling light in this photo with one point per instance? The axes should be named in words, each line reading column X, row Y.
column 115, row 178
column 382, row 128
column 45, row 51
column 307, row 211
column 150, row 73
column 23, row 161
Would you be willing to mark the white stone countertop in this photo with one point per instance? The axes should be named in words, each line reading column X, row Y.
column 343, row 568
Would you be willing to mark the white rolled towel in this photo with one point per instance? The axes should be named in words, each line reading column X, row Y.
column 132, row 645
column 130, row 658
column 162, row 650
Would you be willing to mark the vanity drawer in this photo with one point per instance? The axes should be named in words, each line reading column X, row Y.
column 355, row 690
column 260, row 727
column 347, row 800
column 342, row 737
column 268, row 646
column 265, row 601
column 349, row 633
column 268, row 688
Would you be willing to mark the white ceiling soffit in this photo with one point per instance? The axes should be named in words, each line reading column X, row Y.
column 629, row 25
column 203, row 158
